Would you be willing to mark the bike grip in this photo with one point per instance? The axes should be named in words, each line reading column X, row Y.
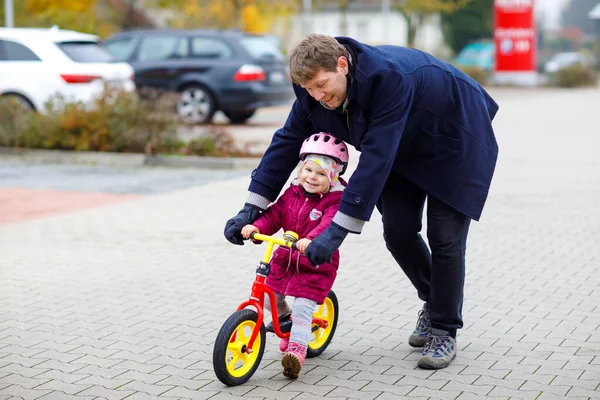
column 294, row 246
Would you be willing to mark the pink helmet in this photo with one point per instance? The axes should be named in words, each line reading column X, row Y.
column 326, row 145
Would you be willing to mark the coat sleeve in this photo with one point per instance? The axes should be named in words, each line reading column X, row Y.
column 391, row 97
column 281, row 157
column 271, row 220
column 328, row 215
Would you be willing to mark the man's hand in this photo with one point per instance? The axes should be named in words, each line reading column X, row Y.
column 233, row 227
column 321, row 249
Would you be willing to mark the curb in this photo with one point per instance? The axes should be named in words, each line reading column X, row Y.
column 35, row 156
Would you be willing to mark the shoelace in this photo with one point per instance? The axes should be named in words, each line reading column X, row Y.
column 439, row 344
column 296, row 348
column 423, row 322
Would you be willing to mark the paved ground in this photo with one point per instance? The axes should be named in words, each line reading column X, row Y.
column 32, row 191
column 125, row 300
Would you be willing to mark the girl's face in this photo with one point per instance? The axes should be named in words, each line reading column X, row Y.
column 313, row 178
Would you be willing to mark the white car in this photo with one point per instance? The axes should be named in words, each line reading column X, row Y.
column 36, row 64
column 564, row 60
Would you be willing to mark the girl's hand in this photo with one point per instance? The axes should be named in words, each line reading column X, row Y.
column 302, row 244
column 247, row 230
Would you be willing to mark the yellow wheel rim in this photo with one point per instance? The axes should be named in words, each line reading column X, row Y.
column 237, row 360
column 326, row 312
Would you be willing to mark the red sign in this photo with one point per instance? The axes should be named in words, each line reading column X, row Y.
column 514, row 35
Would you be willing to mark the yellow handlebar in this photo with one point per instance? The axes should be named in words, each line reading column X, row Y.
column 289, row 238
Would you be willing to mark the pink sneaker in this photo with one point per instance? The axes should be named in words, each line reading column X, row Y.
column 283, row 344
column 293, row 359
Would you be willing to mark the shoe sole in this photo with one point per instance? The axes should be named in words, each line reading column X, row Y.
column 423, row 363
column 291, row 366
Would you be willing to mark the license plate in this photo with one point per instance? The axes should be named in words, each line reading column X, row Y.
column 276, row 77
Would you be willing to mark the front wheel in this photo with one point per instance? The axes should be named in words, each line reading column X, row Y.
column 232, row 363
column 321, row 337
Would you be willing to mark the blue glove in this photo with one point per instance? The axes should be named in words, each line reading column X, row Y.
column 233, row 227
column 321, row 249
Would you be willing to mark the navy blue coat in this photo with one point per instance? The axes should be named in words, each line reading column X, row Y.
column 408, row 112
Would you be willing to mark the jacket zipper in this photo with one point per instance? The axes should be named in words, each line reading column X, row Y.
column 348, row 122
column 300, row 213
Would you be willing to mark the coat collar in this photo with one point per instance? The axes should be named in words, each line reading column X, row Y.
column 354, row 48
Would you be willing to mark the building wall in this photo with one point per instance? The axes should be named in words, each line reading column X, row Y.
column 369, row 27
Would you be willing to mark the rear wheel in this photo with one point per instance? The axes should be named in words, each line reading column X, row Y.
column 239, row 116
column 22, row 101
column 232, row 363
column 196, row 105
column 321, row 337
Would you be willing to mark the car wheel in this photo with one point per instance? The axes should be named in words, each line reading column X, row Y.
column 239, row 117
column 24, row 102
column 196, row 105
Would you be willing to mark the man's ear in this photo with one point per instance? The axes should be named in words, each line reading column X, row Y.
column 343, row 64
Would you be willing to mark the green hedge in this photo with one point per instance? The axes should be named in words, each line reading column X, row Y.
column 117, row 121
column 479, row 74
column 576, row 75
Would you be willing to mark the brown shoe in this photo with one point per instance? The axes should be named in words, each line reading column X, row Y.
column 293, row 359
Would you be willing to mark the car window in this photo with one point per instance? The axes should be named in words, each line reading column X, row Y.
column 156, row 48
column 85, row 52
column 205, row 47
column 17, row 52
column 122, row 48
column 260, row 47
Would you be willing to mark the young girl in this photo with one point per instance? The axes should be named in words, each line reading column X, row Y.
column 307, row 208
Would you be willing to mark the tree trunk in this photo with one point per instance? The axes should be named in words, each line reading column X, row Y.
column 344, row 24
column 414, row 23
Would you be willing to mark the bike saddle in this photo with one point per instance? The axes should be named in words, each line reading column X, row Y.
column 285, row 324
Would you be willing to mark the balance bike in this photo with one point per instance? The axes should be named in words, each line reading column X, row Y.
column 240, row 344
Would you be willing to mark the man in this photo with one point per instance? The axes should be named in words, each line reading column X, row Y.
column 424, row 130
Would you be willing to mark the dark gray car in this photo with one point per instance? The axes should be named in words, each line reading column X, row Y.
column 212, row 70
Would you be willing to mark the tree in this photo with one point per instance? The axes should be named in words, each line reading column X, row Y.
column 575, row 15
column 254, row 16
column 415, row 11
column 474, row 21
column 92, row 16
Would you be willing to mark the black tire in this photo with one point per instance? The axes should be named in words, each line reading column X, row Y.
column 239, row 116
column 25, row 102
column 321, row 338
column 246, row 319
column 196, row 104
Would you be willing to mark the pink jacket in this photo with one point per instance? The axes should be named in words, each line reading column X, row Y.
column 291, row 272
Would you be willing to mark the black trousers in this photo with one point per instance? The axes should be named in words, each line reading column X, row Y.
column 437, row 274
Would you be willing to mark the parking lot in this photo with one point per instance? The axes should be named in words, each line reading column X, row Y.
column 124, row 300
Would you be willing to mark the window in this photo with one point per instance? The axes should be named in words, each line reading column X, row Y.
column 158, row 48
column 85, row 52
column 122, row 48
column 205, row 47
column 17, row 52
column 260, row 47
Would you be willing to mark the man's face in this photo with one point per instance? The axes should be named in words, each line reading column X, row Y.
column 329, row 87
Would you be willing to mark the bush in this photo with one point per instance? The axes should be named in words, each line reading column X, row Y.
column 117, row 121
column 576, row 75
column 479, row 74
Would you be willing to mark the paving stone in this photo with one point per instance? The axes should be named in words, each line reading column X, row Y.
column 127, row 294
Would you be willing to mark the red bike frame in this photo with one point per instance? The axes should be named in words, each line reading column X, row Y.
column 257, row 295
